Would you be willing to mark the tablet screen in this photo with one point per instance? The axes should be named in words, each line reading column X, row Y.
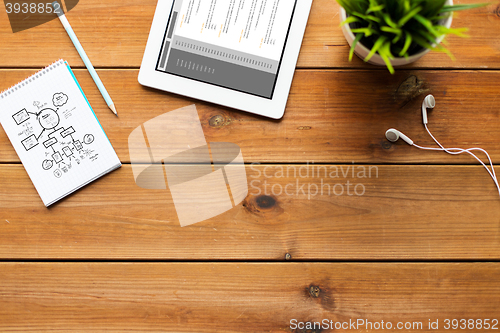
column 235, row 44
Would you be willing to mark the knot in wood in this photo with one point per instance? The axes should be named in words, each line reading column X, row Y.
column 314, row 291
column 265, row 201
column 410, row 88
column 386, row 144
column 263, row 205
column 217, row 121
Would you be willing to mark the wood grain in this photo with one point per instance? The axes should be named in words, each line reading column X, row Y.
column 114, row 34
column 337, row 113
column 177, row 297
column 332, row 116
column 407, row 212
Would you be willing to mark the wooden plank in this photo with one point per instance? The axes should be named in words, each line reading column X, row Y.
column 208, row 297
column 114, row 34
column 332, row 116
column 407, row 212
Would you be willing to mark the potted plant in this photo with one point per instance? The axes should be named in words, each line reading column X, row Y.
column 397, row 32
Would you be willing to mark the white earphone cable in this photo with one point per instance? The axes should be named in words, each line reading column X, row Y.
column 492, row 173
column 470, row 149
column 456, row 151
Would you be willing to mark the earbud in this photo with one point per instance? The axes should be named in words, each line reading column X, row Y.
column 428, row 103
column 393, row 135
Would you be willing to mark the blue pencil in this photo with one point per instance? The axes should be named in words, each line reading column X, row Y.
column 58, row 10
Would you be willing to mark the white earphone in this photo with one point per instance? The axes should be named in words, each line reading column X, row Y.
column 393, row 135
column 429, row 102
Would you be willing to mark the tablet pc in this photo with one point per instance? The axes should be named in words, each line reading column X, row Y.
column 237, row 53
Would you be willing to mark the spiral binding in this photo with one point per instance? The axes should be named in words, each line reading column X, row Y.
column 28, row 80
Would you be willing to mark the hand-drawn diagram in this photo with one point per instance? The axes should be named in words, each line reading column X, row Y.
column 61, row 147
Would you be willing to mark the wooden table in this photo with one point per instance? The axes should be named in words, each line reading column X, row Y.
column 422, row 243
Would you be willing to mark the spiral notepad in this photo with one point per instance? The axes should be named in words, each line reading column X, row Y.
column 55, row 132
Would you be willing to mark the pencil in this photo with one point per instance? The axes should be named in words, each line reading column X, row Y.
column 58, row 10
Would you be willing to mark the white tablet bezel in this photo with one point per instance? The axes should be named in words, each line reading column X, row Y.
column 273, row 108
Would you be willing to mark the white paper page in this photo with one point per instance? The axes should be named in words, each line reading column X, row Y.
column 55, row 132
